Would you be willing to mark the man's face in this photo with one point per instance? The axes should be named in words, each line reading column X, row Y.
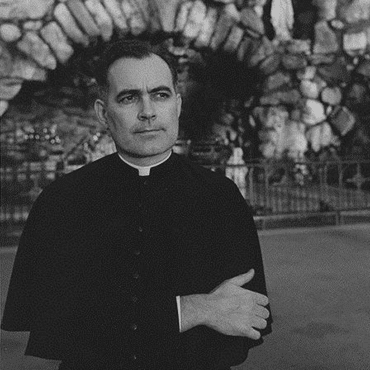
column 141, row 109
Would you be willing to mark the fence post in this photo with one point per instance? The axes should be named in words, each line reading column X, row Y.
column 266, row 190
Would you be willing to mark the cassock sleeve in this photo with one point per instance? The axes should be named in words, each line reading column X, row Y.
column 17, row 312
column 43, row 295
column 236, row 250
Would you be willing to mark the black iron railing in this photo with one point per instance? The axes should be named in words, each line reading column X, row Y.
column 273, row 189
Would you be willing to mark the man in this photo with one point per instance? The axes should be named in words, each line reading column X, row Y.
column 140, row 260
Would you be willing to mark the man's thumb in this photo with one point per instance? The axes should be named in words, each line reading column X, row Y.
column 242, row 279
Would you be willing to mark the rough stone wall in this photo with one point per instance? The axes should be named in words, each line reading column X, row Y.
column 312, row 90
column 317, row 90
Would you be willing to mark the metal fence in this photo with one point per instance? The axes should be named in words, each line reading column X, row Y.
column 273, row 189
column 279, row 190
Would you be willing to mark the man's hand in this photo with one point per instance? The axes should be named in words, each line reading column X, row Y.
column 228, row 309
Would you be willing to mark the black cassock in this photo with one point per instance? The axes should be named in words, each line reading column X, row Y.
column 104, row 254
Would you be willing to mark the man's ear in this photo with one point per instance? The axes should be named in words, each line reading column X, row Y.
column 179, row 104
column 101, row 112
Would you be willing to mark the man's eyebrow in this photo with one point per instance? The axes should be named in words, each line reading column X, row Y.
column 138, row 91
column 160, row 88
column 128, row 92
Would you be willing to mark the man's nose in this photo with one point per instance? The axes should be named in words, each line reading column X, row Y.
column 147, row 110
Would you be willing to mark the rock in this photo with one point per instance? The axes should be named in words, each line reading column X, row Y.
column 320, row 82
column 337, row 24
column 114, row 10
column 294, row 61
column 289, row 139
column 313, row 112
column 224, row 1
column 271, row 64
column 259, row 52
column 364, row 68
column 259, row 10
column 234, row 39
column 166, row 11
column 288, row 97
column 307, row 73
column 229, row 16
column 101, row 17
column 355, row 10
column 135, row 19
column 70, row 27
column 296, row 46
column 319, row 136
column 6, row 61
column 294, row 141
column 155, row 24
column 246, row 47
column 325, row 39
column 252, row 33
column 317, row 59
column 143, row 6
column 32, row 25
column 9, row 88
column 57, row 41
column 282, row 19
column 79, row 11
column 207, row 29
column 20, row 9
column 32, row 45
column 327, row 8
column 335, row 73
column 3, row 106
column 10, row 32
column 331, row 95
column 342, row 119
column 252, row 3
column 271, row 117
column 268, row 46
column 250, row 19
column 309, row 89
column 195, row 19
column 276, row 81
column 27, row 69
column 327, row 135
column 357, row 95
column 270, row 99
column 257, row 56
column 353, row 42
column 182, row 15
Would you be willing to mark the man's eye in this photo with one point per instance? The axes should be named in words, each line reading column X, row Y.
column 161, row 95
column 128, row 99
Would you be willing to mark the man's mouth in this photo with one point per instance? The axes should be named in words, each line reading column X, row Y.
column 148, row 131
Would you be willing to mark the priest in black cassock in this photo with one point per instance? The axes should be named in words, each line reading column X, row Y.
column 142, row 259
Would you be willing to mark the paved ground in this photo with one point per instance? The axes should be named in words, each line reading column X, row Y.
column 319, row 284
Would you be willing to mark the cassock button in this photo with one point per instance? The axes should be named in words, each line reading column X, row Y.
column 133, row 327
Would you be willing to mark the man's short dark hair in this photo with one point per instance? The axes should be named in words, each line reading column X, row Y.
column 130, row 49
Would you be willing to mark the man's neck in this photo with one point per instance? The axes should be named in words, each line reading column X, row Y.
column 144, row 170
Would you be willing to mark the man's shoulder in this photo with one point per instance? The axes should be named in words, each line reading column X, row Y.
column 205, row 178
column 84, row 177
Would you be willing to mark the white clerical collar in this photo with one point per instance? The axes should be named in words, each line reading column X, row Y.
column 144, row 170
